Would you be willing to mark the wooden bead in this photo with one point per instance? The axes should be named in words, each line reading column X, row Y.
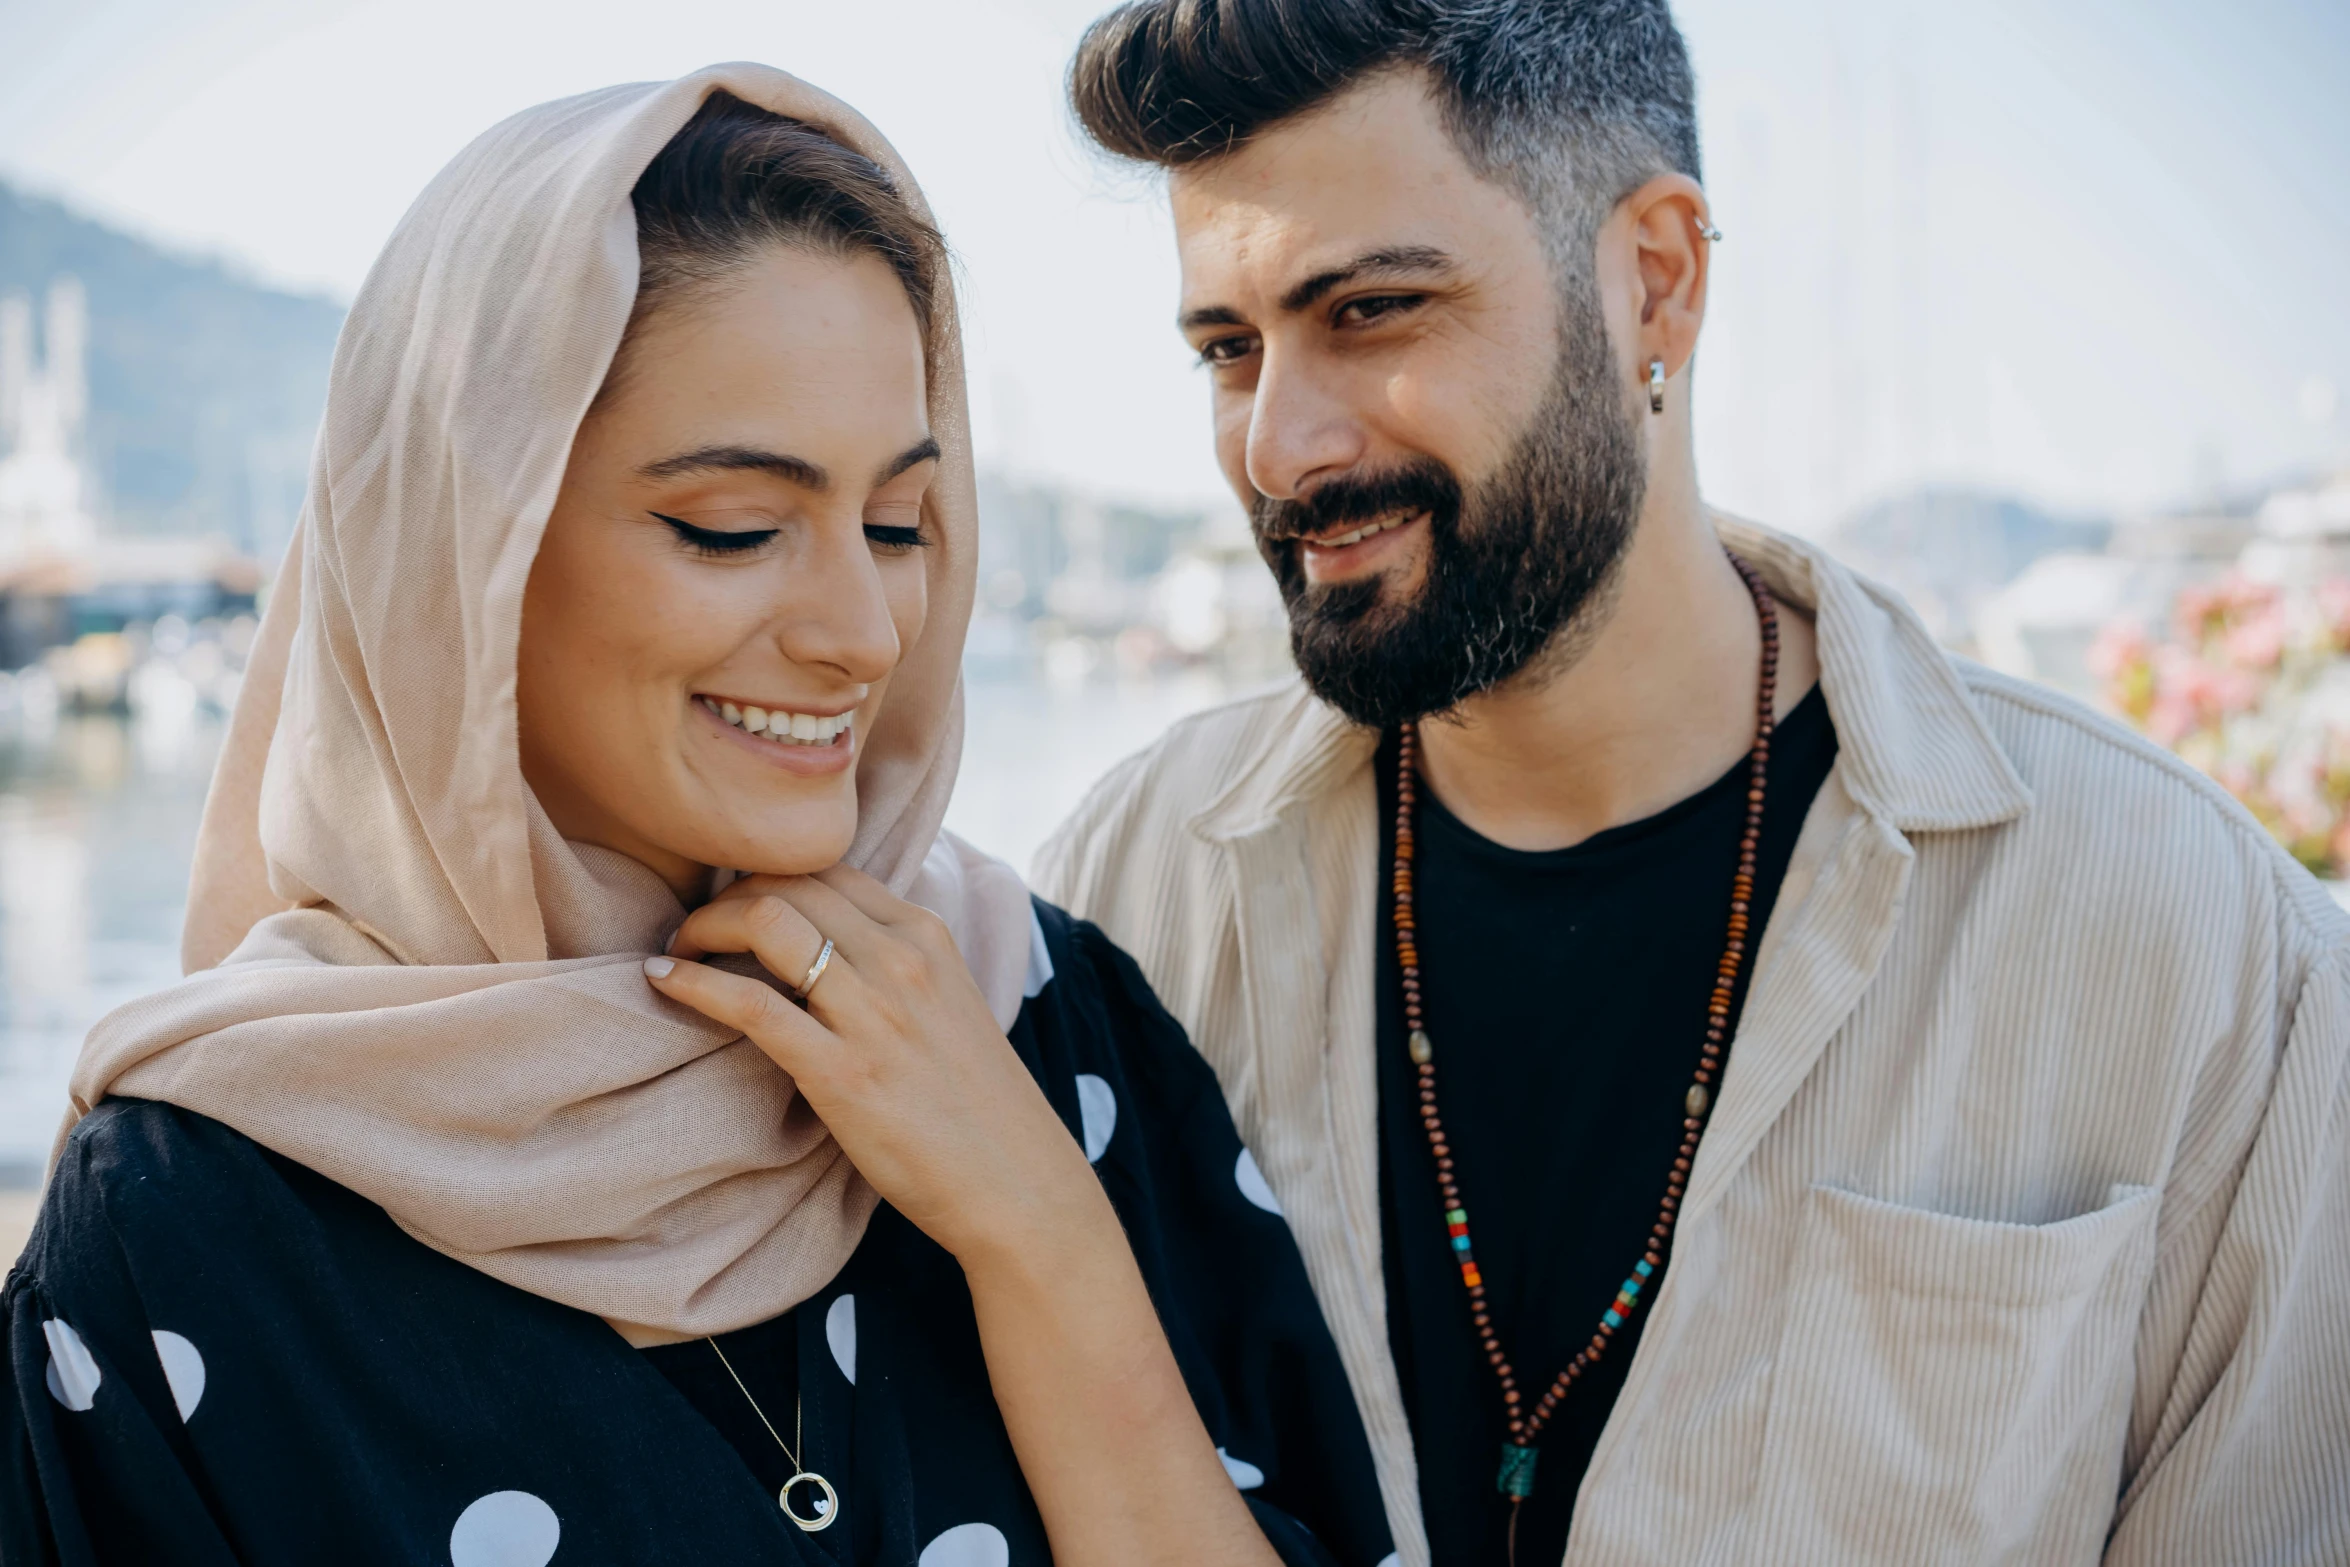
column 1698, row 1099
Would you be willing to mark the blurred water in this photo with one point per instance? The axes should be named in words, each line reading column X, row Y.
column 98, row 820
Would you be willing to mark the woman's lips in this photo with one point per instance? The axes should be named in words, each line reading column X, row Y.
column 811, row 758
column 787, row 728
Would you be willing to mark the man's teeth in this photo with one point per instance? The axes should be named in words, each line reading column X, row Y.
column 1365, row 531
column 790, row 728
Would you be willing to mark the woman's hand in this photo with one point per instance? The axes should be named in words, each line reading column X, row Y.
column 897, row 1051
column 899, row 1054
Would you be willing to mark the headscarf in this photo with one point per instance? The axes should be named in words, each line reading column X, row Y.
column 451, row 1018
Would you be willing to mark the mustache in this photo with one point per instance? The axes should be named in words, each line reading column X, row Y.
column 1426, row 485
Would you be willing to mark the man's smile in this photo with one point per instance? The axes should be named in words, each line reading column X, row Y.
column 1351, row 550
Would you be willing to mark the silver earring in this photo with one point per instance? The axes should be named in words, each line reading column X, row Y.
column 1707, row 231
column 1656, row 386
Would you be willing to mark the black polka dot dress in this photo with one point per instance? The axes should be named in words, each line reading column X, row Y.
column 218, row 1356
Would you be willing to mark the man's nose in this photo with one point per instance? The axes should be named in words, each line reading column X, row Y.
column 1301, row 429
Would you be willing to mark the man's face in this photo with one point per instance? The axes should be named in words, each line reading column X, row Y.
column 1431, row 432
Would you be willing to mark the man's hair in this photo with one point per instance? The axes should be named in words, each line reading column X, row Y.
column 1571, row 104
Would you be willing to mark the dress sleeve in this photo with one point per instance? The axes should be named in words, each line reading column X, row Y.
column 2251, row 1463
column 1225, row 1273
column 98, row 1469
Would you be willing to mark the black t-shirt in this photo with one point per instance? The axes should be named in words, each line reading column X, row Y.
column 1565, row 993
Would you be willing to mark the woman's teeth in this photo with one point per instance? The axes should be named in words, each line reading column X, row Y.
column 790, row 728
column 1342, row 540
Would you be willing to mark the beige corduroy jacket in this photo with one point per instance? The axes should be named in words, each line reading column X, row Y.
column 2021, row 1232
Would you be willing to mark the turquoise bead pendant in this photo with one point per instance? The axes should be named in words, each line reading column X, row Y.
column 1516, row 1480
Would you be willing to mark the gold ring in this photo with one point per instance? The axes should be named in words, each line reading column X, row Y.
column 816, row 969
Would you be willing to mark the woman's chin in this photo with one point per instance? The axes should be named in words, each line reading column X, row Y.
column 798, row 843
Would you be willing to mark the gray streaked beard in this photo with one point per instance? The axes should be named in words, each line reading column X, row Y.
column 1520, row 568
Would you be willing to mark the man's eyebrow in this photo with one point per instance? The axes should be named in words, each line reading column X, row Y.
column 1385, row 262
column 724, row 459
column 1208, row 315
column 920, row 452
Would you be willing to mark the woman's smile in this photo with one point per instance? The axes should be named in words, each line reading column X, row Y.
column 809, row 744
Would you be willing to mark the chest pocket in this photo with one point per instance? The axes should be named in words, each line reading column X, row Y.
column 1951, row 1390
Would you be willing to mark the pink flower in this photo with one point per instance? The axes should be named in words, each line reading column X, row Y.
column 2333, row 602
column 2170, row 720
column 2119, row 649
column 2257, row 639
column 2195, row 607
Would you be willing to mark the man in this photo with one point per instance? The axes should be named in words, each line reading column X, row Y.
column 2007, row 1216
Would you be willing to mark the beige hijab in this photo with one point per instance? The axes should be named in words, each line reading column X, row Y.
column 450, row 1019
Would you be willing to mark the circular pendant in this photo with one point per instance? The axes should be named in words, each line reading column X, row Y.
column 827, row 1506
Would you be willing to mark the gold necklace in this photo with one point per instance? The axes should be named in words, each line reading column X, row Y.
column 827, row 1505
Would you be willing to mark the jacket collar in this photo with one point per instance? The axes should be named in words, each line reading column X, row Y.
column 1915, row 750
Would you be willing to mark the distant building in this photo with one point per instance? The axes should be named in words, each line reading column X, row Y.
column 60, row 578
column 1948, row 551
column 1073, row 583
column 2303, row 533
column 45, row 500
column 2042, row 625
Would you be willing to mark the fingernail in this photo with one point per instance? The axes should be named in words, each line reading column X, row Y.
column 658, row 968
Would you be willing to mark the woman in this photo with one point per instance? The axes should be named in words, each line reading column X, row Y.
column 493, row 1204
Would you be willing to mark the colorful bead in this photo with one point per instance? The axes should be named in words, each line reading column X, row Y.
column 1516, row 1479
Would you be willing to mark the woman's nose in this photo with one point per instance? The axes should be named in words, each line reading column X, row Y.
column 836, row 614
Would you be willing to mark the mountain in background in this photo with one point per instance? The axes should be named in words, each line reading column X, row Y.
column 205, row 387
column 1949, row 549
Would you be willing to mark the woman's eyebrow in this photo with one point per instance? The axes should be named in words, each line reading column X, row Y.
column 920, row 452
column 795, row 470
column 721, row 459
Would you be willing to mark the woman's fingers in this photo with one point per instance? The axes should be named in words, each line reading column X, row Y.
column 767, row 926
column 869, row 897
column 871, row 945
column 771, row 927
column 790, row 1037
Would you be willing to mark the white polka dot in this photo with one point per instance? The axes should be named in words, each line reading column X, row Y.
column 1251, row 1181
column 505, row 1529
column 1097, row 1111
column 840, row 1331
column 73, row 1375
column 1244, row 1474
column 968, row 1545
column 183, row 1368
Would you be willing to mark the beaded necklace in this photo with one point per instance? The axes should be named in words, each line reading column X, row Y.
column 1516, row 1479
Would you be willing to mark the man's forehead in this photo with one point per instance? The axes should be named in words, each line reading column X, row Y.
column 1238, row 243
column 1294, row 183
column 1374, row 169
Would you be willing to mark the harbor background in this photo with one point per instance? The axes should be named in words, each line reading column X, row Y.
column 2032, row 310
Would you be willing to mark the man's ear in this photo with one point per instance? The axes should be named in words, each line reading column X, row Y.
column 1666, row 224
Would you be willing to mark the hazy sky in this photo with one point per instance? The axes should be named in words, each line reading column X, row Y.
column 2090, row 251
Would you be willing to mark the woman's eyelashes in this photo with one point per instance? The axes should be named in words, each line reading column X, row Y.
column 892, row 539
column 715, row 541
column 887, row 538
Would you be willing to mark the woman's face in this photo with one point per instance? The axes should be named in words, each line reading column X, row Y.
column 738, row 540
